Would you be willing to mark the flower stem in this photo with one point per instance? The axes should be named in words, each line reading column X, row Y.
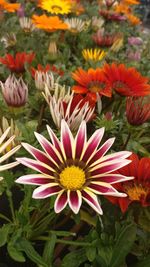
column 11, row 205
column 127, row 140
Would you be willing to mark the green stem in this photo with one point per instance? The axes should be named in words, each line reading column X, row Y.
column 126, row 142
column 11, row 205
column 66, row 242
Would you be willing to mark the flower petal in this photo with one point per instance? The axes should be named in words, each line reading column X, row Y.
column 92, row 200
column 92, row 145
column 67, row 140
column 80, row 140
column 37, row 179
column 104, row 189
column 55, row 140
column 74, row 200
column 112, row 178
column 47, row 190
column 61, row 201
column 36, row 165
column 51, row 151
column 97, row 157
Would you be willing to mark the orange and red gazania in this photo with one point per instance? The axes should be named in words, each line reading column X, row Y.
column 137, row 190
column 17, row 63
column 49, row 23
column 126, row 81
column 91, row 82
column 45, row 69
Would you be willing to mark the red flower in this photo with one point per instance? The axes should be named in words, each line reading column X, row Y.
column 104, row 39
column 137, row 111
column 111, row 15
column 126, row 81
column 17, row 63
column 138, row 189
column 46, row 69
column 91, row 82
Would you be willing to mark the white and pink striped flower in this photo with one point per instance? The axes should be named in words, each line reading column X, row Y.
column 74, row 168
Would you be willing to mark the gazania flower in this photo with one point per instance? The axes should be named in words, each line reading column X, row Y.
column 75, row 25
column 74, row 169
column 9, row 7
column 126, row 81
column 9, row 40
column 26, row 24
column 131, row 2
column 135, row 41
column 52, row 50
column 93, row 54
column 15, row 92
column 47, row 68
column 76, row 7
column 5, row 124
column 133, row 19
column 134, row 55
column 137, row 110
column 137, row 190
column 91, row 82
column 49, row 24
column 65, row 105
column 109, row 15
column 104, row 39
column 4, row 143
column 17, row 63
column 56, row 6
column 96, row 23
column 43, row 79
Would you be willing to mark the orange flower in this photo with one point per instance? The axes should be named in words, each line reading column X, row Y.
column 91, row 82
column 9, row 7
column 137, row 190
column 49, row 24
column 131, row 2
column 126, row 81
column 133, row 19
column 45, row 69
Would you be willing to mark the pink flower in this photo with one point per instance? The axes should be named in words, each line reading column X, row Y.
column 135, row 41
column 74, row 169
column 15, row 91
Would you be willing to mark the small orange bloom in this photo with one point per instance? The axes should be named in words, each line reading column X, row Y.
column 91, row 82
column 133, row 19
column 9, row 7
column 49, row 24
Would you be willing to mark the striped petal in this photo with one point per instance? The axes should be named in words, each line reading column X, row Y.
column 80, row 140
column 92, row 200
column 4, row 135
column 55, row 140
column 37, row 179
column 9, row 154
column 116, row 156
column 97, row 157
column 39, row 155
column 112, row 178
column 92, row 145
column 35, row 165
column 49, row 149
column 47, row 190
column 108, row 167
column 7, row 143
column 8, row 166
column 74, row 200
column 67, row 140
column 101, row 188
column 61, row 201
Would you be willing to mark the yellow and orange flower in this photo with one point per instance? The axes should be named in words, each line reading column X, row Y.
column 133, row 19
column 91, row 82
column 93, row 54
column 49, row 24
column 56, row 6
column 9, row 7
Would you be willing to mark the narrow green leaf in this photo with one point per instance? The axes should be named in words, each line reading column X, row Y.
column 15, row 254
column 4, row 231
column 49, row 250
column 123, row 245
column 31, row 253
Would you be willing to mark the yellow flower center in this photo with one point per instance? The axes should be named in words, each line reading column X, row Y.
column 72, row 178
column 136, row 192
column 56, row 8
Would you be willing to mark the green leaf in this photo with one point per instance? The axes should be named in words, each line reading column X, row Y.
column 31, row 253
column 15, row 254
column 75, row 258
column 49, row 249
column 4, row 231
column 123, row 245
column 91, row 253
